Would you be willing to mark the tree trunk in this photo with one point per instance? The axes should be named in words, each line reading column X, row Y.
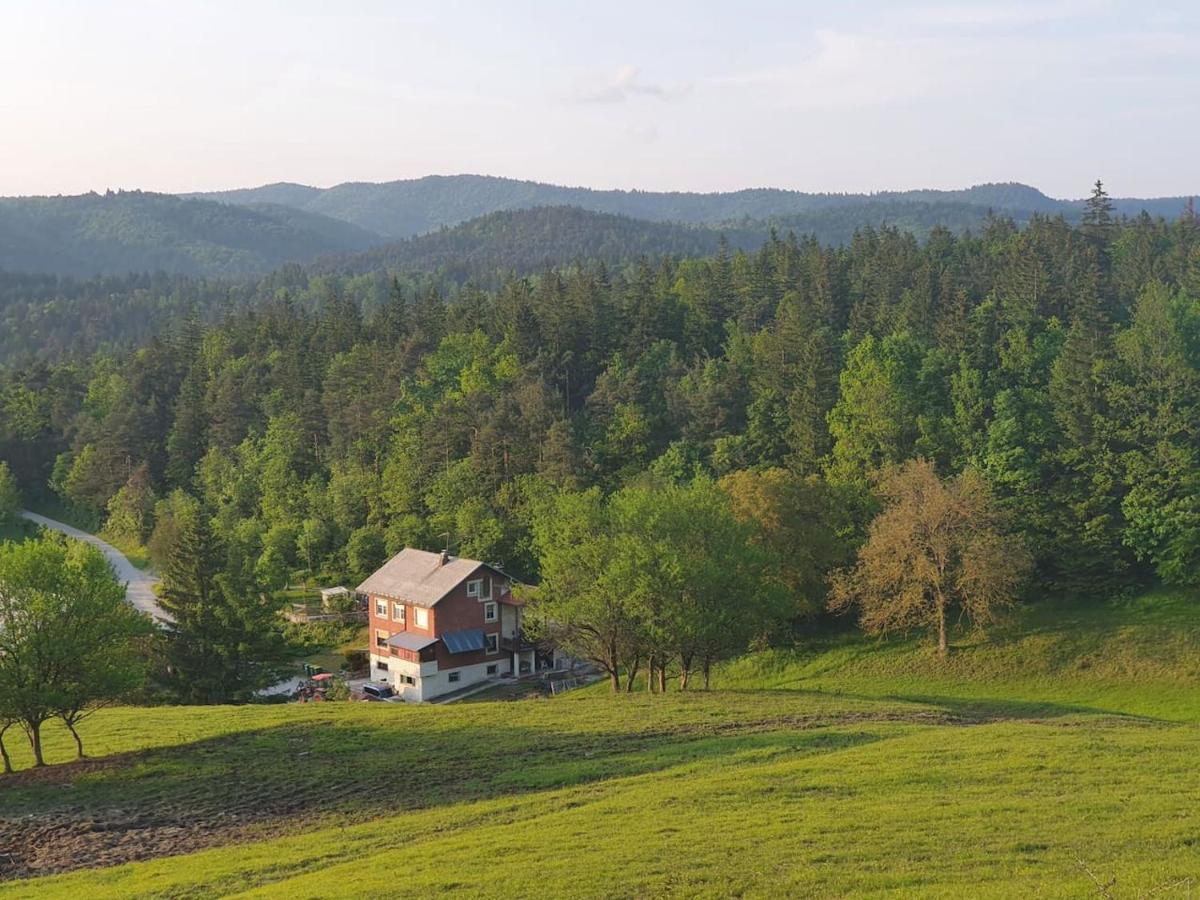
column 651, row 669
column 662, row 677
column 685, row 670
column 78, row 741
column 34, row 730
column 632, row 676
column 943, row 647
column 4, row 753
column 705, row 665
column 614, row 680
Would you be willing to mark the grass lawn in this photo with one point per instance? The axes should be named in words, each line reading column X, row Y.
column 333, row 659
column 136, row 553
column 846, row 768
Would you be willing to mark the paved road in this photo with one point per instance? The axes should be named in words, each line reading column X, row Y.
column 139, row 583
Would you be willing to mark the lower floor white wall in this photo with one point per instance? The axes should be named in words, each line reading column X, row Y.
column 428, row 681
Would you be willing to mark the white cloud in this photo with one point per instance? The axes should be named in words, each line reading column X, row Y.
column 625, row 84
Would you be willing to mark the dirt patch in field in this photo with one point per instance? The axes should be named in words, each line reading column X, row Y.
column 162, row 802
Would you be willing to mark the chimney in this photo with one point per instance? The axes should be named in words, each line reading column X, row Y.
column 444, row 558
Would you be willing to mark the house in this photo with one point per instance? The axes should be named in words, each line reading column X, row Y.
column 439, row 623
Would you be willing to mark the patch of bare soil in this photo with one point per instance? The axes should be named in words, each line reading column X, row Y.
column 76, row 827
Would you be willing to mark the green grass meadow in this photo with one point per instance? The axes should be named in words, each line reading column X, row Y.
column 1055, row 758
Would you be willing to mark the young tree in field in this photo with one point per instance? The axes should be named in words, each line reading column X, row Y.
column 711, row 585
column 106, row 637
column 581, row 603
column 656, row 574
column 68, row 640
column 936, row 546
column 224, row 642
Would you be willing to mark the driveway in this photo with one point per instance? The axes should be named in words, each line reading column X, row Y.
column 139, row 584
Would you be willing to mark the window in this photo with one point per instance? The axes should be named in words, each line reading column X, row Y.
column 454, row 676
column 489, row 612
column 475, row 588
column 381, row 638
column 381, row 608
column 493, row 669
column 381, row 665
column 398, row 613
column 493, row 643
column 408, row 679
column 420, row 617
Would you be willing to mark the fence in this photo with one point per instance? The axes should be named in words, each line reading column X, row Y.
column 562, row 685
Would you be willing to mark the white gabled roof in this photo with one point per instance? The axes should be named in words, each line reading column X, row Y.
column 418, row 577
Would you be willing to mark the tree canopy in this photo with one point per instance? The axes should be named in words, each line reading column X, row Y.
column 69, row 643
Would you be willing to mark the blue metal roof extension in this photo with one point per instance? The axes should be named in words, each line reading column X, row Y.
column 464, row 641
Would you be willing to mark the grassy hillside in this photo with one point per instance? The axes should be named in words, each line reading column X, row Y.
column 1135, row 657
column 842, row 768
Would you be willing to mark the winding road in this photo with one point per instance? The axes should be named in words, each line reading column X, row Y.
column 139, row 584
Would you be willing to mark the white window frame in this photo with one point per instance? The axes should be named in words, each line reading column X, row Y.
column 381, row 665
column 492, row 644
column 381, row 607
column 493, row 609
column 420, row 617
column 381, row 635
column 493, row 669
column 475, row 588
column 454, row 677
column 397, row 608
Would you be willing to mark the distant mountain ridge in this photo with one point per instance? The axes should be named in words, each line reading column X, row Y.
column 405, row 208
column 132, row 231
column 472, row 224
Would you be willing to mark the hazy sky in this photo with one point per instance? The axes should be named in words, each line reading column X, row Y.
column 179, row 95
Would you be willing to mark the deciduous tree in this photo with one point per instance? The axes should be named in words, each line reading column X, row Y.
column 938, row 545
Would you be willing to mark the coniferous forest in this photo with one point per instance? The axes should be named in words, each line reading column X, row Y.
column 325, row 422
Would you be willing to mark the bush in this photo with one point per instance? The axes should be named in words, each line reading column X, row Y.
column 356, row 661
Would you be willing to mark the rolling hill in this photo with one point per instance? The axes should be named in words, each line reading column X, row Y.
column 533, row 239
column 1058, row 753
column 132, row 231
column 469, row 224
column 404, row 208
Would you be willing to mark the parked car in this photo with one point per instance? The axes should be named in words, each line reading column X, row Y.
column 380, row 693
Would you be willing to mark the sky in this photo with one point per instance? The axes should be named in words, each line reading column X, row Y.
column 657, row 95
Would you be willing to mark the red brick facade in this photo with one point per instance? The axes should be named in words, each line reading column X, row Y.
column 457, row 611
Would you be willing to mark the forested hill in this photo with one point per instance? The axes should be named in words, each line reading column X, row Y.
column 333, row 422
column 527, row 240
column 404, row 208
column 132, row 231
column 254, row 231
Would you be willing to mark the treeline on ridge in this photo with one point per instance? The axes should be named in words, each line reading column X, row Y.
column 1060, row 363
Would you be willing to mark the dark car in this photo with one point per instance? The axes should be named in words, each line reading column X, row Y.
column 380, row 692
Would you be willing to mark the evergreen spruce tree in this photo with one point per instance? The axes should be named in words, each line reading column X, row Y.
column 1098, row 222
column 188, row 437
column 223, row 642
